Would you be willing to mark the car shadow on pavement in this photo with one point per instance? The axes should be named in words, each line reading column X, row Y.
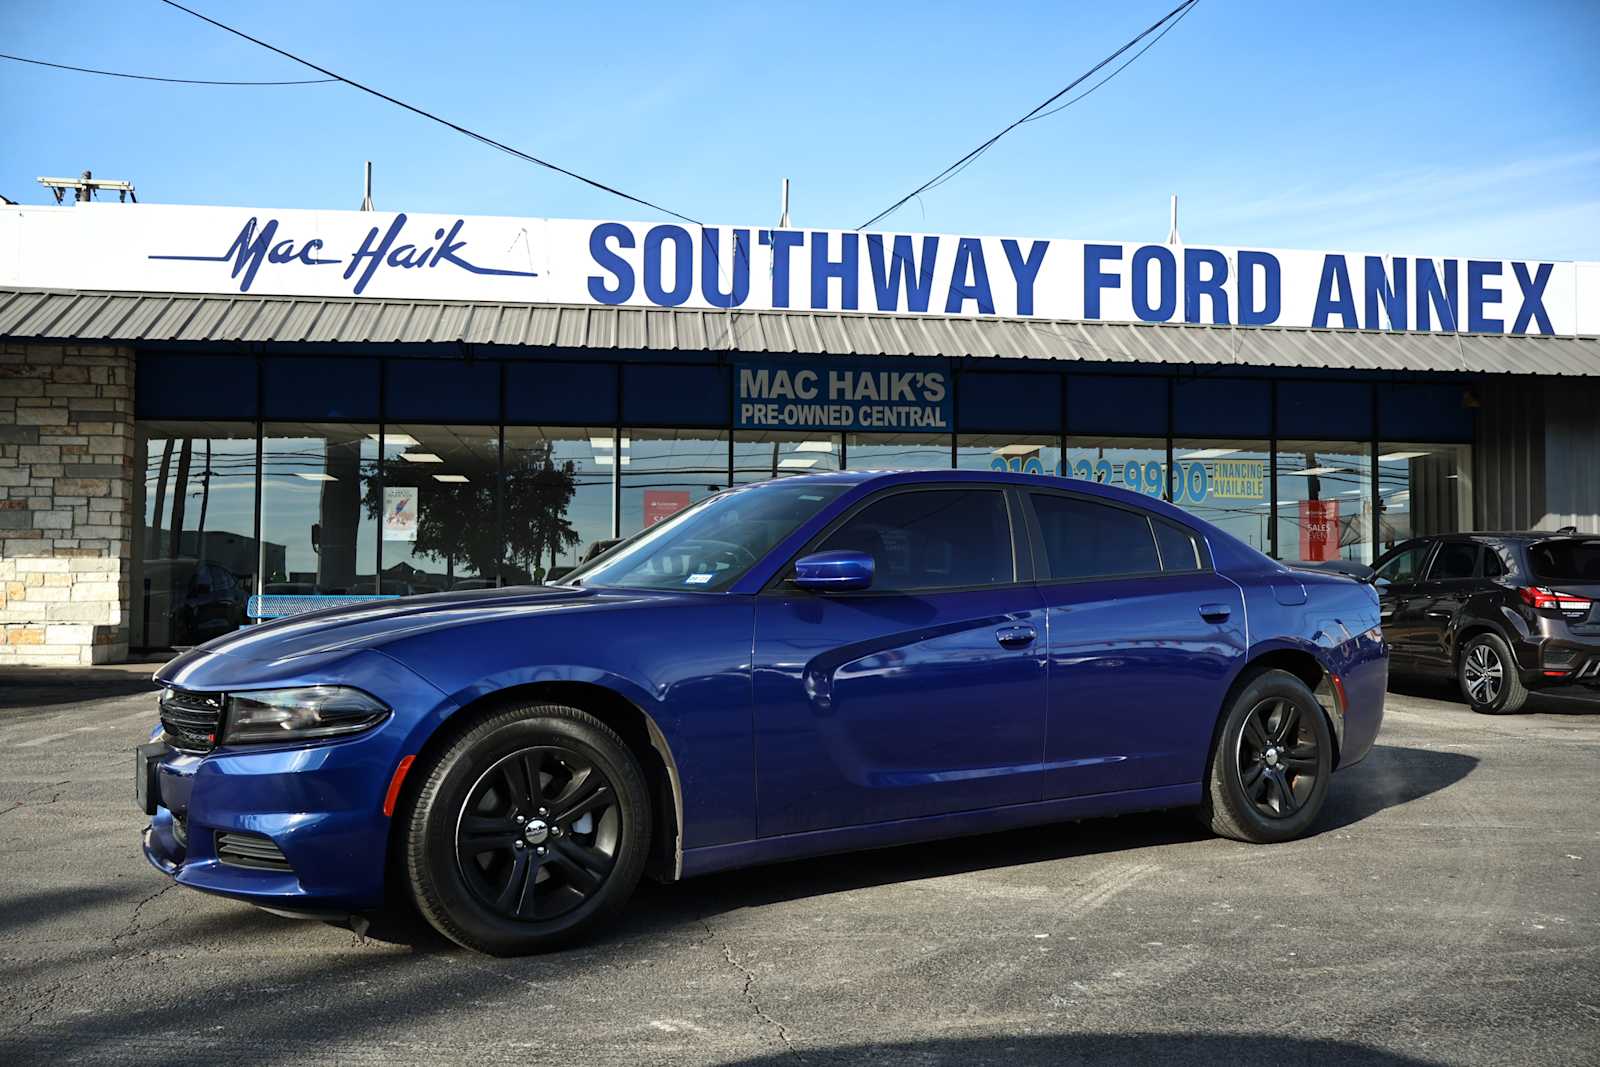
column 1567, row 700
column 1390, row 776
column 1098, row 1048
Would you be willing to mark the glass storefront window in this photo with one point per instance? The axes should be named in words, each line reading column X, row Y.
column 437, row 508
column 558, row 499
column 315, row 480
column 1324, row 501
column 897, row 452
column 1226, row 483
column 664, row 471
column 1134, row 463
column 1009, row 452
column 759, row 455
column 195, row 553
column 1422, row 489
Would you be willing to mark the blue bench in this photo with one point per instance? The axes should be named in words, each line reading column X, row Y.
column 261, row 608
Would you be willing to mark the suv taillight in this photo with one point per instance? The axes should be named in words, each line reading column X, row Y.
column 1543, row 599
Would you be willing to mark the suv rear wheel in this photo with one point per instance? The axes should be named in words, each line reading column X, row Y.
column 1488, row 676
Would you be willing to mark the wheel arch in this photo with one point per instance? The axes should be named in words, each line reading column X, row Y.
column 638, row 731
column 1304, row 665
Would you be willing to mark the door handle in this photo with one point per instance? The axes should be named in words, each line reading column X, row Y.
column 1215, row 612
column 1016, row 636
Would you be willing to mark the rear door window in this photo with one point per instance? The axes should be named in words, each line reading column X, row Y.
column 1572, row 560
column 1456, row 559
column 1179, row 550
column 1086, row 539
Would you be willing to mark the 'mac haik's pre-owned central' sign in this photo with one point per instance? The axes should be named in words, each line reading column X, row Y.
column 667, row 265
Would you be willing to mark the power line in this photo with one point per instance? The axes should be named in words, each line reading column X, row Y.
column 154, row 78
column 480, row 138
column 959, row 165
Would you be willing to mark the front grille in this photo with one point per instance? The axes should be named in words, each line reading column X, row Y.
column 250, row 850
column 191, row 721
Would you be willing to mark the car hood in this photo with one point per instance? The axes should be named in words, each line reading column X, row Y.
column 381, row 622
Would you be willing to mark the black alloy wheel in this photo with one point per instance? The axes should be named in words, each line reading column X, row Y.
column 526, row 831
column 538, row 833
column 1277, row 761
column 1271, row 762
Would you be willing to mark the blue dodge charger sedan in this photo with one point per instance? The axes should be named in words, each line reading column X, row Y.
column 811, row 665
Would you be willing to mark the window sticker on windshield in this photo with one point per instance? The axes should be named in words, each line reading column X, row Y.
column 697, row 579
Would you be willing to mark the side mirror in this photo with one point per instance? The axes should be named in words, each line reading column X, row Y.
column 833, row 572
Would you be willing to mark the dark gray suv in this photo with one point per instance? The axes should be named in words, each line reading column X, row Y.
column 1502, row 613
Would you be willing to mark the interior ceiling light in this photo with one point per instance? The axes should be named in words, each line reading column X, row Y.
column 451, row 478
column 1017, row 450
column 420, row 457
column 1210, row 453
column 315, row 477
column 797, row 461
column 606, row 461
column 814, row 446
column 1309, row 471
column 404, row 440
column 1389, row 457
column 606, row 444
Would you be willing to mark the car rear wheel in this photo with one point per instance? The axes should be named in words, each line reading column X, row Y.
column 528, row 831
column 1488, row 676
column 1271, row 764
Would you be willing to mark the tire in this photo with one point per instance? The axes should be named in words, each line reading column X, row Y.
column 551, row 818
column 1487, row 675
column 1270, row 764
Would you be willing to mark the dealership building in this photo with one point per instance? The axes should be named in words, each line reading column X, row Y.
column 199, row 404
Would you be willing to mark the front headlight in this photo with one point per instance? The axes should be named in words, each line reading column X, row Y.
column 302, row 714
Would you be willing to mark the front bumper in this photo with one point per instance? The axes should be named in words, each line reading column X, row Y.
column 320, row 804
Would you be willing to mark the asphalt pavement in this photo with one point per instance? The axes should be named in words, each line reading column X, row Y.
column 1446, row 910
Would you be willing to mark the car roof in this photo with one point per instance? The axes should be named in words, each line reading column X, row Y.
column 878, row 479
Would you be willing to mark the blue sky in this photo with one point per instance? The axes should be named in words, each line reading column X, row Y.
column 1443, row 128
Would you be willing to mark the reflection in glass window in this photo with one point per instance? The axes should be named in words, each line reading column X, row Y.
column 1423, row 490
column 1324, row 501
column 898, row 452
column 1225, row 483
column 558, row 499
column 315, row 480
column 437, row 508
column 1016, row 453
column 664, row 471
column 1088, row 539
column 762, row 454
column 195, row 553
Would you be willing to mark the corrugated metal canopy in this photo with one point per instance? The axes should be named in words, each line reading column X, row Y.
column 63, row 315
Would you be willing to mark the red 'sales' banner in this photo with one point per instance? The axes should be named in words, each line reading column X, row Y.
column 663, row 503
column 1319, row 530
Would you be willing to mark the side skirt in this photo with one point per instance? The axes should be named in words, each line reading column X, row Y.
column 710, row 858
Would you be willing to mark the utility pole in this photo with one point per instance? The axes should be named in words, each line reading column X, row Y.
column 366, row 196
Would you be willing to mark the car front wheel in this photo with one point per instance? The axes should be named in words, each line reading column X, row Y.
column 1271, row 764
column 528, row 831
column 1488, row 676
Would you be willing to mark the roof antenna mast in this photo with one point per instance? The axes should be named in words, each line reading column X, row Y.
column 1172, row 233
column 366, row 197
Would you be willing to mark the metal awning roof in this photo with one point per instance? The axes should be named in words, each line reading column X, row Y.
column 154, row 318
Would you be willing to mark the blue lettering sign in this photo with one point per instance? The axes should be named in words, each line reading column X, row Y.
column 1432, row 297
column 1025, row 271
column 600, row 239
column 1195, row 286
column 1271, row 288
column 846, row 269
column 682, row 265
column 739, row 269
column 902, row 264
column 1479, row 295
column 1166, row 301
column 842, row 394
column 1334, row 296
column 1095, row 279
column 1532, row 297
column 782, row 242
column 1381, row 293
column 970, row 279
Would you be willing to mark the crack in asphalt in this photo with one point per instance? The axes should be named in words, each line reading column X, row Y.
column 749, row 996
column 133, row 919
column 25, row 803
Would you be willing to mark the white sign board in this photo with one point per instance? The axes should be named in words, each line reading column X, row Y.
column 167, row 248
column 400, row 514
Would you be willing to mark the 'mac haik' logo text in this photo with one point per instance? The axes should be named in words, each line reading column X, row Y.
column 257, row 244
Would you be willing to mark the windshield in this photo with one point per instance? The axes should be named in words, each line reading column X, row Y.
column 1566, row 561
column 711, row 545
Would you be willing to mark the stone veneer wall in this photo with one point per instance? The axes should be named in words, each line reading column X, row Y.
column 66, row 507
